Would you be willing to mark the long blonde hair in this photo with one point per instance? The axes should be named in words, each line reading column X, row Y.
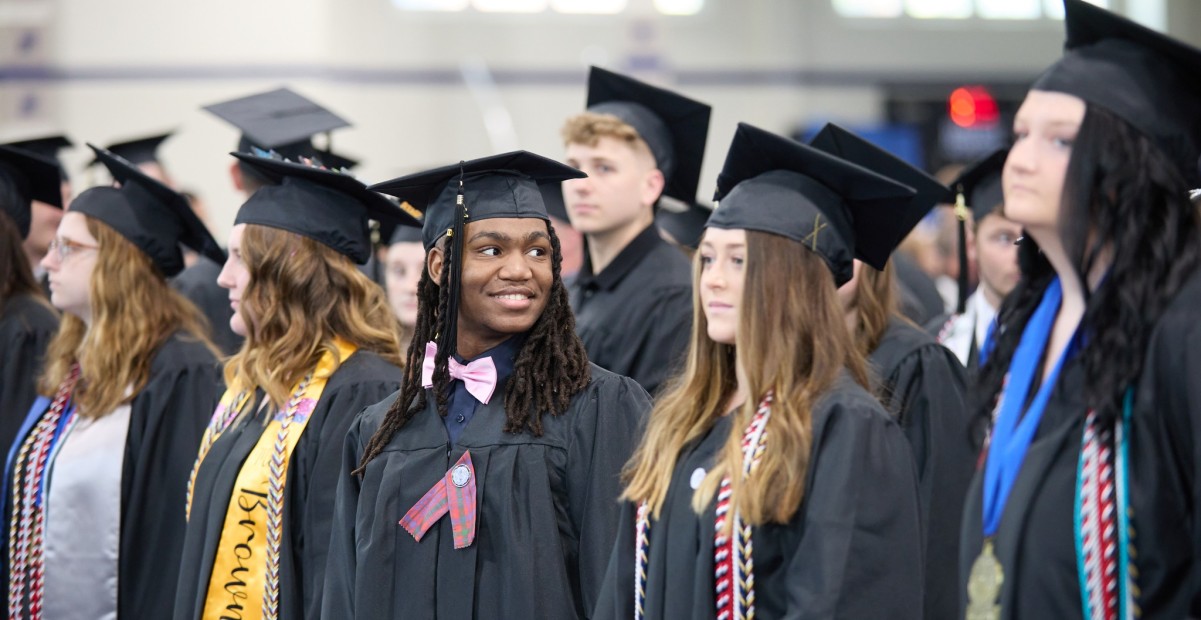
column 796, row 345
column 301, row 296
column 134, row 311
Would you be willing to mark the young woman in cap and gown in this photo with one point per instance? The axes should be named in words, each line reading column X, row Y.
column 279, row 121
column 919, row 381
column 1085, row 506
column 321, row 344
column 488, row 486
column 94, row 481
column 770, row 482
column 27, row 320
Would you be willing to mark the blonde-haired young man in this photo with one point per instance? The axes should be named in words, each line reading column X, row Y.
column 641, row 147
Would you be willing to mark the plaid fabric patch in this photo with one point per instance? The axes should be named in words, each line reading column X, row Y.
column 454, row 493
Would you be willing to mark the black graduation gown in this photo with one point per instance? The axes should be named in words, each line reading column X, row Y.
column 26, row 327
column 923, row 385
column 853, row 549
column 199, row 284
column 362, row 379
column 546, row 512
column 1165, row 462
column 166, row 421
column 1035, row 542
column 635, row 316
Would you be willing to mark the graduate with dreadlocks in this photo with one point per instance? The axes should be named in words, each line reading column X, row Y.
column 770, row 483
column 502, row 422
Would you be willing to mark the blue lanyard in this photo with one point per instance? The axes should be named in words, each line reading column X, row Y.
column 1013, row 432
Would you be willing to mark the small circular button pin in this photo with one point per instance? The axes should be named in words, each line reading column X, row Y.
column 698, row 476
column 460, row 476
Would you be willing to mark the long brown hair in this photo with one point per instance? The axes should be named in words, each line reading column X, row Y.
column 301, row 296
column 134, row 310
column 875, row 303
column 16, row 275
column 796, row 345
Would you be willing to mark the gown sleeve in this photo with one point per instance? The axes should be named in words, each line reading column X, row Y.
column 603, row 439
column 928, row 389
column 318, row 484
column 860, row 549
column 1165, row 467
column 166, row 422
column 337, row 601
column 615, row 601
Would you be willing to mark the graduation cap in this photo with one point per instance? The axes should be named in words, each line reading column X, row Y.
column 35, row 178
column 282, row 121
column 329, row 207
column 977, row 191
column 137, row 151
column 405, row 234
column 1146, row 78
column 397, row 232
column 150, row 215
column 499, row 186
column 686, row 227
column 673, row 126
column 835, row 208
column 838, row 141
column 47, row 147
column 505, row 185
column 978, row 187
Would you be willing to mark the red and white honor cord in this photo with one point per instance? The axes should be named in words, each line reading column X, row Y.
column 1104, row 532
column 733, row 550
column 27, row 521
column 734, row 586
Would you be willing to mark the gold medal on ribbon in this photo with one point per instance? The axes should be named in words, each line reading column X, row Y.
column 984, row 585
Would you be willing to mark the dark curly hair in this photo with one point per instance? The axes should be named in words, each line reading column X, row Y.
column 1122, row 195
column 551, row 368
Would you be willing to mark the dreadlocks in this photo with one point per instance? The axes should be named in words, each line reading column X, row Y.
column 550, row 370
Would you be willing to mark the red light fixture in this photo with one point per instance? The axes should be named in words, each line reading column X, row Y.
column 972, row 106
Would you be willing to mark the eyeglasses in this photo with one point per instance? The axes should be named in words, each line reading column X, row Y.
column 66, row 247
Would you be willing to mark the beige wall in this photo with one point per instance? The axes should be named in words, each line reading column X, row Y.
column 104, row 70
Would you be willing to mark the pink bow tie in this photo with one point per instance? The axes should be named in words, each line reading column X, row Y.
column 478, row 376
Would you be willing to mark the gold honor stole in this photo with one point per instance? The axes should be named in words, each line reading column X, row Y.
column 244, row 582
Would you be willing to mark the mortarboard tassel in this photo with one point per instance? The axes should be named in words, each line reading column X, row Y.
column 961, row 212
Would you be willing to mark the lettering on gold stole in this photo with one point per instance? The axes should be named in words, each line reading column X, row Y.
column 250, row 502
